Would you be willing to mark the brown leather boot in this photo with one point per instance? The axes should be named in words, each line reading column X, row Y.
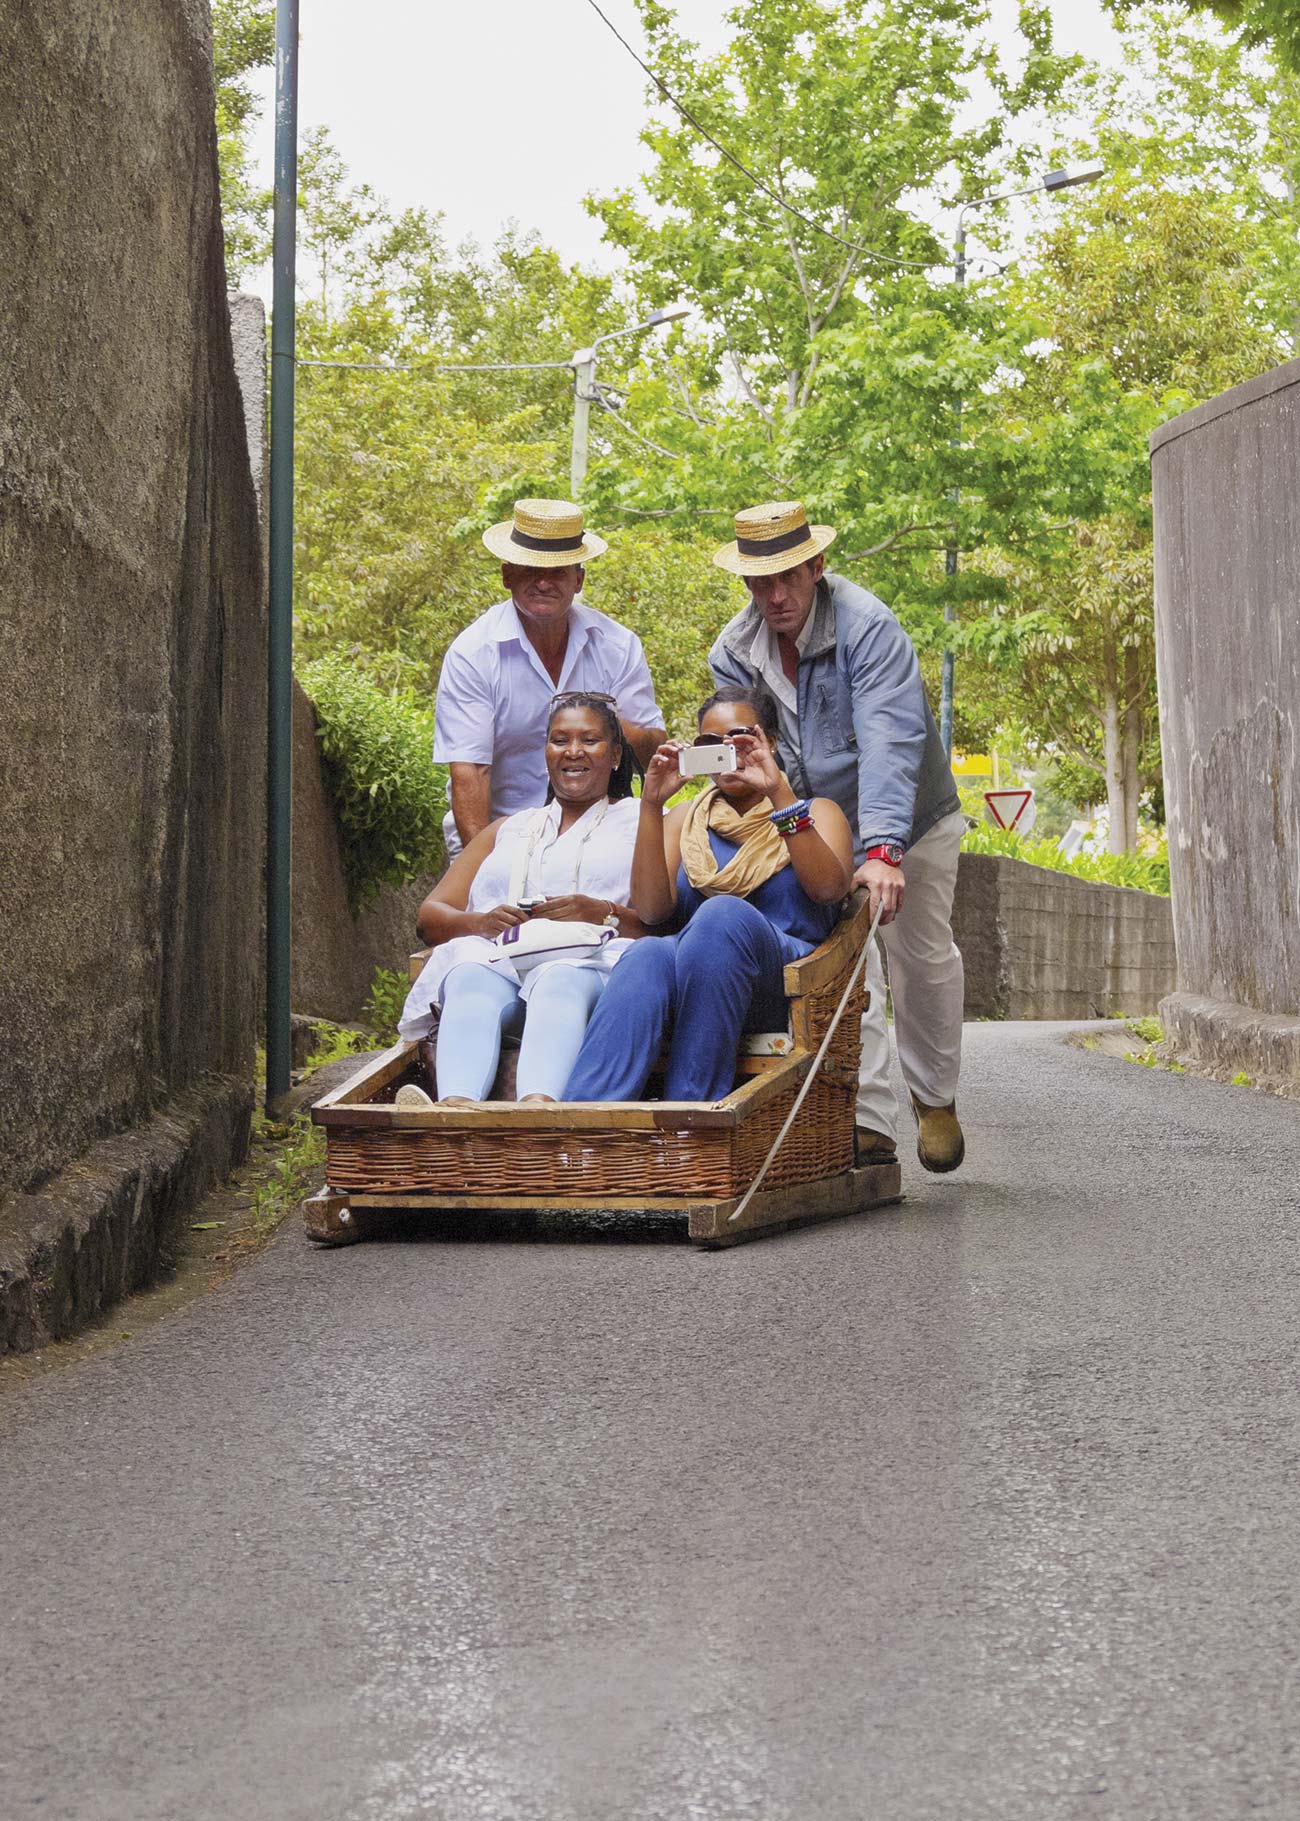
column 939, row 1141
column 872, row 1147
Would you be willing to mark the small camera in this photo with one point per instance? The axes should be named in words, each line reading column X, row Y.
column 707, row 761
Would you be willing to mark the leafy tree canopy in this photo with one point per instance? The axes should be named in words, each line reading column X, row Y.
column 1274, row 23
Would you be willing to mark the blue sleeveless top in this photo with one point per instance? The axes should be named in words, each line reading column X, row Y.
column 799, row 923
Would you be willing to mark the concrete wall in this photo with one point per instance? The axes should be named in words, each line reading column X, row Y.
column 1039, row 944
column 132, row 636
column 1226, row 483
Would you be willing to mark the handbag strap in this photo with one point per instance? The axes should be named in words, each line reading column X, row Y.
column 524, row 856
column 522, row 863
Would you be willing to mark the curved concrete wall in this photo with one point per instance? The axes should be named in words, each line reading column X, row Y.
column 132, row 636
column 1226, row 483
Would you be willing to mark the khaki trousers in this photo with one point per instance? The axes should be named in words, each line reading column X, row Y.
column 925, row 982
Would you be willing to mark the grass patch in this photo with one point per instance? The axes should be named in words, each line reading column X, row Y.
column 296, row 1152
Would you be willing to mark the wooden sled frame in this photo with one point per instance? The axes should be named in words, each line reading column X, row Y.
column 629, row 1160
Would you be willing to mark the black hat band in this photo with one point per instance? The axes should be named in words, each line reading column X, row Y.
column 771, row 546
column 529, row 542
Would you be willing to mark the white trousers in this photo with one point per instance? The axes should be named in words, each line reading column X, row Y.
column 927, row 985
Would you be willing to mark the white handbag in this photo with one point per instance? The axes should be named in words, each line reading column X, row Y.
column 527, row 945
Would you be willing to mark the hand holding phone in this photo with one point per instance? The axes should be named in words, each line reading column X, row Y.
column 707, row 760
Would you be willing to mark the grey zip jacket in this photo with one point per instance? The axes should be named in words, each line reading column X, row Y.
column 865, row 736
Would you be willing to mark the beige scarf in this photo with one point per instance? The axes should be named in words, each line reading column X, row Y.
column 760, row 850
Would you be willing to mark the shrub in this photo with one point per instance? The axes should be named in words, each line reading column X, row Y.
column 383, row 1008
column 388, row 795
column 1144, row 872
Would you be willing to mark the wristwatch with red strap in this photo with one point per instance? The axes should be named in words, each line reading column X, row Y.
column 889, row 851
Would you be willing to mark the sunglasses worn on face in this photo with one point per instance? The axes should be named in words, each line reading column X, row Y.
column 720, row 739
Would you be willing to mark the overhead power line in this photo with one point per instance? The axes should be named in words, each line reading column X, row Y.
column 854, row 246
column 439, row 366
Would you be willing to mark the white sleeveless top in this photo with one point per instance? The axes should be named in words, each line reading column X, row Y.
column 594, row 857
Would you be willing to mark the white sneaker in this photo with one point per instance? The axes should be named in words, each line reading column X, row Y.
column 409, row 1097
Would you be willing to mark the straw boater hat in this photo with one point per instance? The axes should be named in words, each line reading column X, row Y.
column 772, row 538
column 544, row 534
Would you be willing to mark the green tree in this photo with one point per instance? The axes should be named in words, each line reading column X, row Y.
column 1144, row 294
column 1259, row 22
column 1193, row 108
column 856, row 117
column 398, row 473
column 243, row 40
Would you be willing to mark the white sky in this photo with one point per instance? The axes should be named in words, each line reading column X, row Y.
column 511, row 108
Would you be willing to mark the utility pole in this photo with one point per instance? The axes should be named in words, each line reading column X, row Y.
column 279, row 730
column 950, row 557
column 585, row 394
column 584, row 390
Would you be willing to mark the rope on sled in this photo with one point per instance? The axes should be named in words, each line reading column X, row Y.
column 811, row 1076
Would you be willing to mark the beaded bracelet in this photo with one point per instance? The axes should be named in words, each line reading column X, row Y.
column 791, row 812
column 793, row 819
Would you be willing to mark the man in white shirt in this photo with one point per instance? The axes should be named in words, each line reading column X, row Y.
column 501, row 674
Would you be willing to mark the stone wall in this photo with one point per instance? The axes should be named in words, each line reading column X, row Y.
column 132, row 642
column 1039, row 944
column 1226, row 481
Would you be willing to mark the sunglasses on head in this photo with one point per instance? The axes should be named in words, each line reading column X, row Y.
column 567, row 696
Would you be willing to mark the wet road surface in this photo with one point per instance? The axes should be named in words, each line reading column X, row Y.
column 982, row 1506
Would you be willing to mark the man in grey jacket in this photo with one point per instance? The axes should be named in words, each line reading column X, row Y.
column 856, row 726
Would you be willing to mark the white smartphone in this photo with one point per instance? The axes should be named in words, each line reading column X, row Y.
column 706, row 761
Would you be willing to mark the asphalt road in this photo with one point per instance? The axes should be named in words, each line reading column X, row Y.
column 982, row 1506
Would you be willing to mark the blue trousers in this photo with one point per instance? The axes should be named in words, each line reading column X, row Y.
column 722, row 975
column 479, row 1005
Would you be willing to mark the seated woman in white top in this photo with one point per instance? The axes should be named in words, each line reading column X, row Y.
column 567, row 862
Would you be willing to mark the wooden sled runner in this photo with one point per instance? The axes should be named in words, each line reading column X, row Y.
column 637, row 1160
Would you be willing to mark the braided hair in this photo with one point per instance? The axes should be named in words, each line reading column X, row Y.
column 620, row 779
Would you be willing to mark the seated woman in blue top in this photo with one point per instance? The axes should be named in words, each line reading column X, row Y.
column 756, row 878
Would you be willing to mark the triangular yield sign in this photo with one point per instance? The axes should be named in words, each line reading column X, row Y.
column 1008, row 807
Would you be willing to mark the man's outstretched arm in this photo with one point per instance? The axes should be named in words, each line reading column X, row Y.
column 471, row 799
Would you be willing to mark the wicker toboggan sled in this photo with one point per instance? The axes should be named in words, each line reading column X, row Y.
column 653, row 1158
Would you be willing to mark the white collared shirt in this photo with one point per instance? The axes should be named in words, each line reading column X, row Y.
column 494, row 691
column 765, row 658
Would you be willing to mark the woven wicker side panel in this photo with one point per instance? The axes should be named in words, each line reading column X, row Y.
column 819, row 1009
column 686, row 1165
column 819, row 1143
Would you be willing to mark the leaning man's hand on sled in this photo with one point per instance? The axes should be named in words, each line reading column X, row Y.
column 883, row 884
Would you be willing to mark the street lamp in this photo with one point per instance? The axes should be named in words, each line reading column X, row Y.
column 279, row 719
column 1065, row 179
column 584, row 385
